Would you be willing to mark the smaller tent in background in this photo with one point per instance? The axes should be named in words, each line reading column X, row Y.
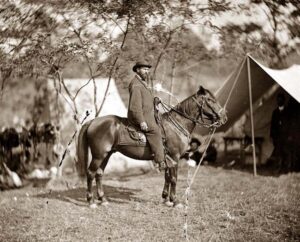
column 245, row 88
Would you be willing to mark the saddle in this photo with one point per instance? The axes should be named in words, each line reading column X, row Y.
column 131, row 135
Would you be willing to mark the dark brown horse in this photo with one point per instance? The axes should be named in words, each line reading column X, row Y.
column 101, row 135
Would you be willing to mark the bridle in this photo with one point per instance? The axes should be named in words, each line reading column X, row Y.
column 200, row 106
column 199, row 120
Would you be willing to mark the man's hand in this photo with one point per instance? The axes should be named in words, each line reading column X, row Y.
column 156, row 101
column 144, row 126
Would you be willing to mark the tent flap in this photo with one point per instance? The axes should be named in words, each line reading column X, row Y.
column 235, row 91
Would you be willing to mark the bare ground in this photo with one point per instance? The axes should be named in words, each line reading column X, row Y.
column 225, row 205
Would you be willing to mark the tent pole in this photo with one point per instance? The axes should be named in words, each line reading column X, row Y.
column 251, row 116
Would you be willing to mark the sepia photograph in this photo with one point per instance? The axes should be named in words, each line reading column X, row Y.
column 158, row 120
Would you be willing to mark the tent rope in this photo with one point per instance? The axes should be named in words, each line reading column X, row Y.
column 190, row 182
column 234, row 84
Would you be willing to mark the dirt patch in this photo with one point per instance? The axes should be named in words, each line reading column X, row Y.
column 224, row 205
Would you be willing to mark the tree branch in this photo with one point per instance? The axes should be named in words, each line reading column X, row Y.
column 4, row 79
column 113, row 67
column 163, row 52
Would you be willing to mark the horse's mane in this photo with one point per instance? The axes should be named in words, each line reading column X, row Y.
column 210, row 93
column 183, row 105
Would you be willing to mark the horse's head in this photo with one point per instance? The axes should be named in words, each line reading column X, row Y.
column 211, row 112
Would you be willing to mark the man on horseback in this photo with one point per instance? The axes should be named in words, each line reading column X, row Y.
column 141, row 111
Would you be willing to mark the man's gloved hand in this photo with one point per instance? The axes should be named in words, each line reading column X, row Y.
column 157, row 101
column 144, row 126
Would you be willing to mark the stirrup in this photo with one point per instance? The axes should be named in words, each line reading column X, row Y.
column 170, row 162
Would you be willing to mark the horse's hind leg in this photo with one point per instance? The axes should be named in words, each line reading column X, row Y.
column 89, row 193
column 91, row 173
column 99, row 175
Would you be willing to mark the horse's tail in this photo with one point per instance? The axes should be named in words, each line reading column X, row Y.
column 82, row 150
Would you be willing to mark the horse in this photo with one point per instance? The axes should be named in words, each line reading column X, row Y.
column 101, row 135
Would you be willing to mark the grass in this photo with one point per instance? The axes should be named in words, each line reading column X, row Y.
column 224, row 205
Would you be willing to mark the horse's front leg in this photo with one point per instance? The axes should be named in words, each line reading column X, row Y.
column 174, row 174
column 166, row 190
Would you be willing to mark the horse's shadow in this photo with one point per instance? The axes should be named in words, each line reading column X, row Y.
column 77, row 195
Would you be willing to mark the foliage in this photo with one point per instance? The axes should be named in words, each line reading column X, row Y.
column 92, row 38
column 272, row 37
column 40, row 38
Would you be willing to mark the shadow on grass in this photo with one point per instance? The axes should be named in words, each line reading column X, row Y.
column 77, row 196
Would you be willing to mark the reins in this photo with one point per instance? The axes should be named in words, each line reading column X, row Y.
column 169, row 108
column 178, row 125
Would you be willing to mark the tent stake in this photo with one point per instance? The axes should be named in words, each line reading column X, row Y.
column 251, row 117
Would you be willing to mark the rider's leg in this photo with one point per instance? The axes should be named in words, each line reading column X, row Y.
column 155, row 140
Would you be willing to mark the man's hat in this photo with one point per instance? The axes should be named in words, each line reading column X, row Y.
column 140, row 64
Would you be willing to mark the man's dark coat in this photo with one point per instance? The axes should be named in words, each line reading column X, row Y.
column 141, row 103
column 141, row 109
column 277, row 124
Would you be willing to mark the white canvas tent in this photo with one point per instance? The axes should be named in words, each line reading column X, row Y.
column 247, row 84
column 113, row 105
column 235, row 90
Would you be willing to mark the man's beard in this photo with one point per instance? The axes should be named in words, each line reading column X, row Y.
column 144, row 76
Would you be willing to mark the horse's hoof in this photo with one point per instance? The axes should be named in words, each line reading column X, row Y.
column 169, row 204
column 93, row 205
column 105, row 203
column 178, row 205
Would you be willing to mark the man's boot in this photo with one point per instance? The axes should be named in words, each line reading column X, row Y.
column 160, row 165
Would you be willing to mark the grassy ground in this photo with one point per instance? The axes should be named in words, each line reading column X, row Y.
column 225, row 205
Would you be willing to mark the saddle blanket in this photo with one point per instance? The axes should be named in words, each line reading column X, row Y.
column 130, row 135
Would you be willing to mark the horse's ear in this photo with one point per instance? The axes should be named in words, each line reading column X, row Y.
column 201, row 91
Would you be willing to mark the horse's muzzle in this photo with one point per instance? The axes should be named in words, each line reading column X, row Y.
column 222, row 119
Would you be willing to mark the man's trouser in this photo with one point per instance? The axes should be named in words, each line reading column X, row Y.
column 155, row 140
